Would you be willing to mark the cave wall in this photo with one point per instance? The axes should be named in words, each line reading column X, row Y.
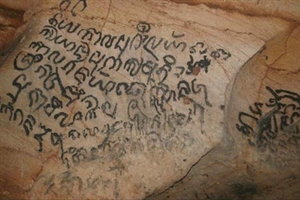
column 149, row 99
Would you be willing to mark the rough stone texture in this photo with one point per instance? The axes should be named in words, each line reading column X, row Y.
column 285, row 9
column 263, row 161
column 149, row 99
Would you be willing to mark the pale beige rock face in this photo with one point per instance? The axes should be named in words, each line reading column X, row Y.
column 121, row 99
column 259, row 156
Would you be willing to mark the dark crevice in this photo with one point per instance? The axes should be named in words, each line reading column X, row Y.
column 11, row 12
column 10, row 21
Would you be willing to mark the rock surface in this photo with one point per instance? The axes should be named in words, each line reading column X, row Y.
column 149, row 99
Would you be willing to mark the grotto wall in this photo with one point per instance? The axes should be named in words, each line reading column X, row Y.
column 149, row 99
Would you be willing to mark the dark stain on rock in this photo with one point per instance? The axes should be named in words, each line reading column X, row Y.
column 222, row 107
column 244, row 190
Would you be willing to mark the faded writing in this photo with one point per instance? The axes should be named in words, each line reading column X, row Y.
column 96, row 86
column 276, row 127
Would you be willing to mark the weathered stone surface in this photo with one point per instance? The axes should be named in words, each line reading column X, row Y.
column 259, row 156
column 285, row 9
column 122, row 99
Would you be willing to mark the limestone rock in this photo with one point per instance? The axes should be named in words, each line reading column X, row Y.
column 143, row 99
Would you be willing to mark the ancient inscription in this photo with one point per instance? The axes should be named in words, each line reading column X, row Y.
column 273, row 126
column 106, row 98
column 68, row 182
